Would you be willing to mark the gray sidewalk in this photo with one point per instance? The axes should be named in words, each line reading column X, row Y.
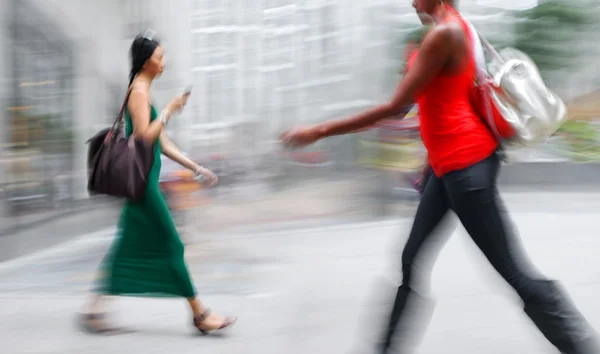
column 309, row 203
column 62, row 227
column 321, row 290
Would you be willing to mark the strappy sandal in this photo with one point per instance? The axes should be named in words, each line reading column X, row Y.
column 199, row 319
column 94, row 323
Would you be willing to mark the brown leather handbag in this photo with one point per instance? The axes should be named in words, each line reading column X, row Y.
column 119, row 166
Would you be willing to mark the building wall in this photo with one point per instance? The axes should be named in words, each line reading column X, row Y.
column 5, row 69
column 91, row 31
column 275, row 63
column 5, row 86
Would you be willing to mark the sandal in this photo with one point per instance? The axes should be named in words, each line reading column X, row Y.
column 199, row 319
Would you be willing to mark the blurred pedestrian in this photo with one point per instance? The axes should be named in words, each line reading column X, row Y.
column 462, row 154
column 147, row 256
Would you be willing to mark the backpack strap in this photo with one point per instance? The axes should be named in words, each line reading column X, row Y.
column 478, row 43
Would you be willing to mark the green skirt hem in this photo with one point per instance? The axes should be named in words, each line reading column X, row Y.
column 143, row 294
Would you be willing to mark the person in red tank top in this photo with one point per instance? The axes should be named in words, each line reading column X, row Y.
column 462, row 153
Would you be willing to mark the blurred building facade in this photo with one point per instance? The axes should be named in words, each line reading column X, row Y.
column 57, row 87
column 273, row 64
column 64, row 74
column 257, row 68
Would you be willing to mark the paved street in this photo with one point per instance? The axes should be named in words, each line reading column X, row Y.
column 230, row 209
column 320, row 290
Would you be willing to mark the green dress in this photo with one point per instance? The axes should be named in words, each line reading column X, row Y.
column 147, row 256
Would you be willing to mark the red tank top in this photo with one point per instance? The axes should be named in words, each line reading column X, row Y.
column 453, row 134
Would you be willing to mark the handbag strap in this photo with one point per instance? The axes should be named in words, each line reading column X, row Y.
column 117, row 122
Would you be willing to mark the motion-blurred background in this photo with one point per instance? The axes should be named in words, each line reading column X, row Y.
column 259, row 67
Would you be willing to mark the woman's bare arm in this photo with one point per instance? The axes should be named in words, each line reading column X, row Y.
column 170, row 150
column 434, row 53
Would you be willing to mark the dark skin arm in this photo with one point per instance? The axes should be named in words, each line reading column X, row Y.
column 437, row 52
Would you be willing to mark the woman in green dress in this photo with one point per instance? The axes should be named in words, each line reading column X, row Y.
column 147, row 256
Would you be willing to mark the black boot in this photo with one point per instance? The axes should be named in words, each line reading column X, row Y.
column 560, row 321
column 410, row 317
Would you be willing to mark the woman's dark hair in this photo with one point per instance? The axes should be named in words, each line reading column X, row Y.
column 142, row 48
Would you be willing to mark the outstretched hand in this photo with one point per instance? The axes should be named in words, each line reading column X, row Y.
column 299, row 137
column 207, row 177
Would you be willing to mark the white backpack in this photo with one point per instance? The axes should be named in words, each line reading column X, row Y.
column 515, row 102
